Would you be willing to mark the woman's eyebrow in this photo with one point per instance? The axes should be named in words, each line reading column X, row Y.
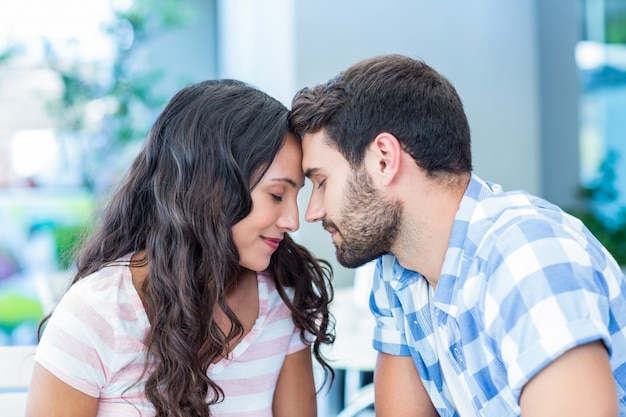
column 288, row 180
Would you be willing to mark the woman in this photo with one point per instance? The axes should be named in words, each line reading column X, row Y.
column 191, row 299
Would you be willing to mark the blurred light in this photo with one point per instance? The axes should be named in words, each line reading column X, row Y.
column 589, row 55
column 124, row 33
column 32, row 150
column 592, row 55
column 56, row 19
column 121, row 5
column 59, row 22
column 96, row 111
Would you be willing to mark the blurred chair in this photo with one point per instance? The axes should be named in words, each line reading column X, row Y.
column 352, row 353
column 16, row 366
column 362, row 400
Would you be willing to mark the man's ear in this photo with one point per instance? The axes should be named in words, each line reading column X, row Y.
column 384, row 158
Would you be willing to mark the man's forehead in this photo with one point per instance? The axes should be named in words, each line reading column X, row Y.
column 315, row 150
column 318, row 141
column 320, row 157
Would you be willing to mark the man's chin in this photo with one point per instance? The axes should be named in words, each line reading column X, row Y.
column 354, row 262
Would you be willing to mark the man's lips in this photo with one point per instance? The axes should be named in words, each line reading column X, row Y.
column 332, row 231
column 330, row 227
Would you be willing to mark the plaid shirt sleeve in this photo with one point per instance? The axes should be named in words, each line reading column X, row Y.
column 539, row 273
column 389, row 334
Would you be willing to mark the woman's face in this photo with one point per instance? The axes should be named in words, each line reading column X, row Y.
column 274, row 208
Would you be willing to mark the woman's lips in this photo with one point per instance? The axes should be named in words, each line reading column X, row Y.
column 271, row 242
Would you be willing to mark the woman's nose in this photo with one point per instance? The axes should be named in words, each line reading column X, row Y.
column 290, row 218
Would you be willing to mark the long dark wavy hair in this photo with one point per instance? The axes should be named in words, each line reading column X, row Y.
column 188, row 186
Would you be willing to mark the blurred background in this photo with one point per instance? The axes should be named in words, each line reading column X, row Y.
column 543, row 83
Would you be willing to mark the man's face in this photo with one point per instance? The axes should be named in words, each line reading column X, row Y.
column 362, row 224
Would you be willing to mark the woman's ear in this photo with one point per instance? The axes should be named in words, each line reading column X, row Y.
column 383, row 158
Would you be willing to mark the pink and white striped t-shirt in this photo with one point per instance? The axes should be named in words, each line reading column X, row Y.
column 94, row 343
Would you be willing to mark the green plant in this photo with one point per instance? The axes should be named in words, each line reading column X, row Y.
column 7, row 54
column 615, row 28
column 609, row 230
column 67, row 239
column 121, row 91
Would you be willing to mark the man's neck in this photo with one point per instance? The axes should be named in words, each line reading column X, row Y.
column 427, row 225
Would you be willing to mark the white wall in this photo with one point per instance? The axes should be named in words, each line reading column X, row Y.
column 485, row 47
column 256, row 44
column 186, row 54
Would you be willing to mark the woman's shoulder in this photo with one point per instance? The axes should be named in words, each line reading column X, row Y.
column 109, row 292
column 105, row 303
column 106, row 282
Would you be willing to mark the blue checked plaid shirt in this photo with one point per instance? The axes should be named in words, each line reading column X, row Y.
column 522, row 282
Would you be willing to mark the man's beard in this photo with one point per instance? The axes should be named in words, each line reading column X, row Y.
column 369, row 224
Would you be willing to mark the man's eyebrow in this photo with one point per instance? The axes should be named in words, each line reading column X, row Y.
column 310, row 172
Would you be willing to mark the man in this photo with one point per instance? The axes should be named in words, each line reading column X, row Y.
column 487, row 302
